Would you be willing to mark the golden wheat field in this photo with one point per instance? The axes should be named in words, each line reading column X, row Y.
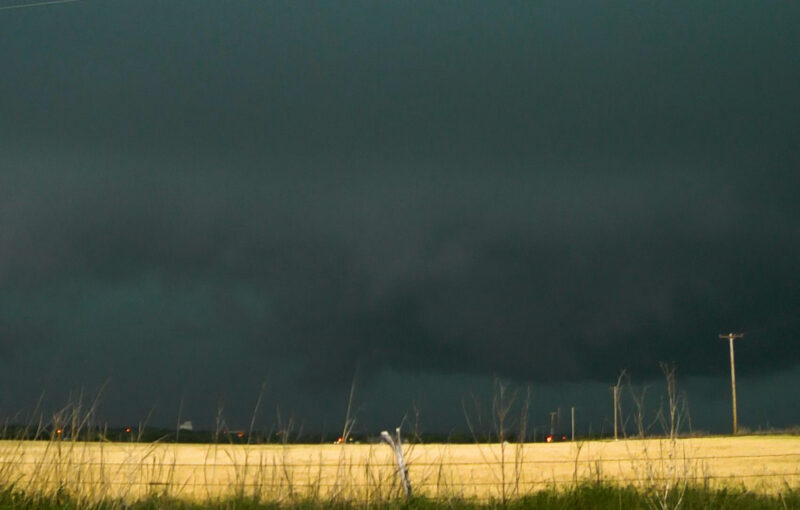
column 365, row 472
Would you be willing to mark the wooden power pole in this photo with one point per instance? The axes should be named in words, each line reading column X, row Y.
column 615, row 392
column 731, row 337
column 572, row 412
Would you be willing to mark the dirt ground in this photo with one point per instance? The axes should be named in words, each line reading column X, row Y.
column 132, row 470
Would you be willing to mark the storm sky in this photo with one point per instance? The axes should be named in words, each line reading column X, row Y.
column 198, row 197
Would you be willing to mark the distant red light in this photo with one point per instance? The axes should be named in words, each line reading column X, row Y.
column 58, row 431
column 240, row 434
column 128, row 430
column 549, row 439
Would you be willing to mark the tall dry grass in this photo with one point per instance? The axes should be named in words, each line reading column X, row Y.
column 68, row 455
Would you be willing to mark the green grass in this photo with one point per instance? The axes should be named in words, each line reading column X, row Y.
column 588, row 497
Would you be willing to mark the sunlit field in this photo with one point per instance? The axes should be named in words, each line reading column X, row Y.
column 95, row 471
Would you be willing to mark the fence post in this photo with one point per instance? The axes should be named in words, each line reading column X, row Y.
column 402, row 469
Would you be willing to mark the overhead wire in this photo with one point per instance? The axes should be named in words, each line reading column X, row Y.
column 36, row 4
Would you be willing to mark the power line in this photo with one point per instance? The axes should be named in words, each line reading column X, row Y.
column 6, row 464
column 37, row 4
column 783, row 320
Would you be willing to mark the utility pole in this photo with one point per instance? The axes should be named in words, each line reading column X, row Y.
column 573, row 422
column 615, row 392
column 731, row 337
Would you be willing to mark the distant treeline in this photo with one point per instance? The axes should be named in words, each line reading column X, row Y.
column 156, row 434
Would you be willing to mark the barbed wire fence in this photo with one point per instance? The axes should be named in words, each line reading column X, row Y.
column 280, row 476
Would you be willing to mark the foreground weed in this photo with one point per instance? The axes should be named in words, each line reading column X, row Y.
column 586, row 497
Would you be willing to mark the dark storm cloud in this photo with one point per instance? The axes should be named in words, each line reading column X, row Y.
column 610, row 274
column 437, row 81
column 541, row 191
